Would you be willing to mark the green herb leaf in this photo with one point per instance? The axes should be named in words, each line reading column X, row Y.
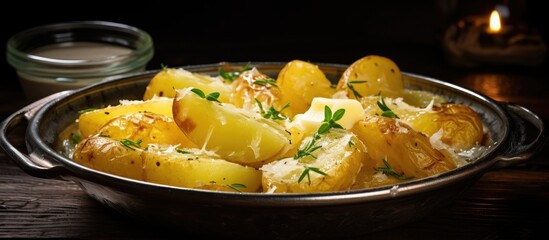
column 308, row 149
column 86, row 110
column 306, row 173
column 236, row 186
column 213, row 97
column 164, row 67
column 272, row 112
column 75, row 138
column 387, row 112
column 265, row 82
column 183, row 151
column 329, row 121
column 198, row 92
column 231, row 76
column 351, row 86
column 351, row 143
column 388, row 170
column 131, row 144
column 210, row 97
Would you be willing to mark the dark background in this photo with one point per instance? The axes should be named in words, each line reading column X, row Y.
column 196, row 32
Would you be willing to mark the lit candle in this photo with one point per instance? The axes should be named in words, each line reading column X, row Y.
column 495, row 23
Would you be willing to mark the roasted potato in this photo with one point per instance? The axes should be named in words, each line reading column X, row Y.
column 332, row 167
column 235, row 134
column 110, row 156
column 299, row 83
column 252, row 87
column 90, row 122
column 194, row 169
column 371, row 75
column 166, row 82
column 406, row 151
column 189, row 167
column 150, row 128
column 461, row 126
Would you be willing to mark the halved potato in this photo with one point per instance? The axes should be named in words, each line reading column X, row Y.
column 90, row 122
column 150, row 128
column 167, row 81
column 110, row 156
column 188, row 167
column 371, row 75
column 300, row 82
column 407, row 151
column 234, row 134
column 197, row 170
column 340, row 158
column 461, row 126
column 253, row 85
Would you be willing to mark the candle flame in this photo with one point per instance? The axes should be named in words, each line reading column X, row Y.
column 495, row 21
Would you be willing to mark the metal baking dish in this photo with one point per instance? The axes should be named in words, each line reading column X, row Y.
column 319, row 215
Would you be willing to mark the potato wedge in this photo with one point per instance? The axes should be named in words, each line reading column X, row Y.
column 198, row 170
column 150, row 128
column 371, row 75
column 235, row 134
column 407, row 151
column 340, row 158
column 300, row 82
column 167, row 165
column 90, row 122
column 461, row 126
column 167, row 81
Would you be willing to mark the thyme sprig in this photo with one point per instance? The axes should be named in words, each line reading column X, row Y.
column 75, row 138
column 131, row 144
column 309, row 148
column 164, row 67
column 231, row 76
column 306, row 173
column 388, row 170
column 271, row 112
column 236, row 186
column 265, row 82
column 355, row 92
column 183, row 151
column 387, row 112
column 210, row 97
column 330, row 119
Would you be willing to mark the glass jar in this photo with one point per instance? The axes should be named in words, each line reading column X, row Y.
column 57, row 57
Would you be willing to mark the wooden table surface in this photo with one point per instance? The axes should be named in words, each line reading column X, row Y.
column 508, row 203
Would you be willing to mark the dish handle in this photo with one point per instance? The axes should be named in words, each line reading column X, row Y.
column 33, row 165
column 518, row 149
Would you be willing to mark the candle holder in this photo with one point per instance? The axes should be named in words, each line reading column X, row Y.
column 472, row 42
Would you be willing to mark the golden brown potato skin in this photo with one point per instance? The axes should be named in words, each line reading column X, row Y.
column 150, row 128
column 300, row 82
column 340, row 157
column 381, row 76
column 90, row 122
column 166, row 82
column 409, row 152
column 110, row 156
column 462, row 127
column 191, row 168
column 249, row 86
